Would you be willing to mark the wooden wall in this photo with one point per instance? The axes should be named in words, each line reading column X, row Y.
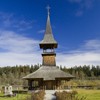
column 49, row 60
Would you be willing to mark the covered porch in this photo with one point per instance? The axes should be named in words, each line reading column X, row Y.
column 38, row 84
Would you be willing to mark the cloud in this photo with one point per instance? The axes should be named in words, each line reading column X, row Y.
column 87, row 54
column 41, row 31
column 92, row 44
column 85, row 58
column 17, row 49
column 12, row 59
column 11, row 41
column 82, row 5
column 9, row 21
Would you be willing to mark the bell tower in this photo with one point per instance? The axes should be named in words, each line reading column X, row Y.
column 48, row 44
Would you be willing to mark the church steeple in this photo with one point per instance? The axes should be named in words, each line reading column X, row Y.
column 48, row 41
column 48, row 25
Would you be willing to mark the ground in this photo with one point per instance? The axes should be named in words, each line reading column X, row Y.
column 50, row 95
column 90, row 94
column 18, row 97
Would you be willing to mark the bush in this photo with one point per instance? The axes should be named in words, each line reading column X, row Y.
column 37, row 95
column 68, row 96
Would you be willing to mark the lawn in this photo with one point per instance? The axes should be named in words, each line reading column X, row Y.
column 90, row 94
column 18, row 97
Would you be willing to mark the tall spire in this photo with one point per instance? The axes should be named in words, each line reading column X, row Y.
column 48, row 25
column 48, row 40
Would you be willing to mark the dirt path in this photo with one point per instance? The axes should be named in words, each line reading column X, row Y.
column 50, row 95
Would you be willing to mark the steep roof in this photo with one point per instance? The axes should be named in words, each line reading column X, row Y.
column 48, row 37
column 48, row 73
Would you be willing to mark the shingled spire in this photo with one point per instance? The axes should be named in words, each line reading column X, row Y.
column 48, row 25
column 48, row 41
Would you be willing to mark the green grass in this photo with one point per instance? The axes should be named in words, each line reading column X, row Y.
column 17, row 97
column 90, row 94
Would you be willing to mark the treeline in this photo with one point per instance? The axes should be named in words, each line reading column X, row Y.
column 83, row 72
column 13, row 75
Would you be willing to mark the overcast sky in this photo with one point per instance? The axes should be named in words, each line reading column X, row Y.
column 75, row 25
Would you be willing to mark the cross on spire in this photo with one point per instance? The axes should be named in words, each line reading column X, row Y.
column 48, row 9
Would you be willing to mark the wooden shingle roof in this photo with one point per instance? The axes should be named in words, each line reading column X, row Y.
column 49, row 73
column 48, row 37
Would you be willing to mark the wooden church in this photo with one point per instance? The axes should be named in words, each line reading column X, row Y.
column 48, row 76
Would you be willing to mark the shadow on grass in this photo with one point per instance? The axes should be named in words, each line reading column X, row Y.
column 2, row 96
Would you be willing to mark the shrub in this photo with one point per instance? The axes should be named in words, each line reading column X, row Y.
column 68, row 96
column 36, row 95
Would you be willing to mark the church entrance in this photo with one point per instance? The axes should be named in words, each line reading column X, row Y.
column 49, row 85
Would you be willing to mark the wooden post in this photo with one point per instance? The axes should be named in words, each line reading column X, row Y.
column 45, row 87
